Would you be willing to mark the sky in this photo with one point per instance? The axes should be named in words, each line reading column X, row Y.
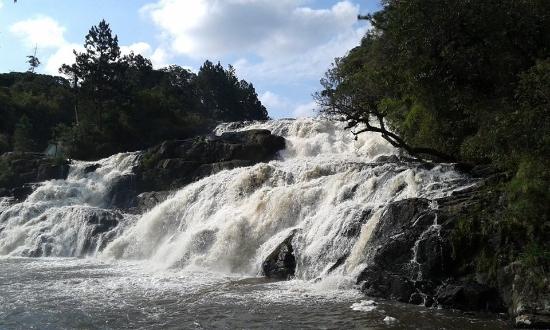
column 282, row 46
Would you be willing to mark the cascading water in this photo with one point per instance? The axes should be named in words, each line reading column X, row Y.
column 59, row 218
column 324, row 186
column 192, row 261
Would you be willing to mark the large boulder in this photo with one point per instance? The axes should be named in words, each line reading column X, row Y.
column 410, row 259
column 173, row 164
column 280, row 264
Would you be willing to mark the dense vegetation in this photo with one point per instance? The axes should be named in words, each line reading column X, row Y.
column 467, row 81
column 112, row 103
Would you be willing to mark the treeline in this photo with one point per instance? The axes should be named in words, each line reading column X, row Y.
column 461, row 81
column 111, row 103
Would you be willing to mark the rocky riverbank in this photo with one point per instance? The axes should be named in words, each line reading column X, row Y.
column 415, row 255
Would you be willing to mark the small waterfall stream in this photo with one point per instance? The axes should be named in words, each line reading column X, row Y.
column 59, row 218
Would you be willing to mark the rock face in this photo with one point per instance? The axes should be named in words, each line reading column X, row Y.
column 148, row 200
column 176, row 163
column 281, row 263
column 21, row 170
column 410, row 259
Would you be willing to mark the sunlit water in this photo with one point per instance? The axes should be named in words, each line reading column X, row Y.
column 194, row 260
column 86, row 293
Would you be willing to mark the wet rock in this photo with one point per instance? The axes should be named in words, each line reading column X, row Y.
column 526, row 292
column 531, row 321
column 22, row 192
column 52, row 171
column 281, row 263
column 148, row 200
column 103, row 223
column 469, row 296
column 416, row 299
column 387, row 159
column 175, row 163
column 91, row 168
column 338, row 263
column 410, row 258
column 103, row 220
column 380, row 283
column 23, row 169
column 122, row 193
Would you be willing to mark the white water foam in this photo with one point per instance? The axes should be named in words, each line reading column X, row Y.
column 324, row 188
column 57, row 218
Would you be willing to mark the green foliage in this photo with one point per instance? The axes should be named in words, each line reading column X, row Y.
column 451, row 71
column 34, row 63
column 115, row 103
column 529, row 196
column 22, row 136
column 469, row 79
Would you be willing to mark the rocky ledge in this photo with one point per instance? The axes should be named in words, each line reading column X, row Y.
column 176, row 163
column 20, row 171
column 412, row 258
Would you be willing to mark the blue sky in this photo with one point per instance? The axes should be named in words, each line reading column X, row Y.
column 282, row 46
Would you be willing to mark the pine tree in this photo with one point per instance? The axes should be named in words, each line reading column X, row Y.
column 97, row 69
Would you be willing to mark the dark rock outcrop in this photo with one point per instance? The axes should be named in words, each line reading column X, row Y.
column 176, row 163
column 91, row 168
column 21, row 170
column 410, row 259
column 281, row 263
column 148, row 200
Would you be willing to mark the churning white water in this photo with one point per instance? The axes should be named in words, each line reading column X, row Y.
column 323, row 186
column 192, row 261
column 58, row 218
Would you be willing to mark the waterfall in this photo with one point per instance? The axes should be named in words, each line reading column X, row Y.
column 326, row 189
column 65, row 218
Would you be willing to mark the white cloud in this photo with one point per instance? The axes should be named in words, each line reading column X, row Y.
column 160, row 58
column 41, row 31
column 310, row 64
column 45, row 32
column 306, row 110
column 1, row 4
column 141, row 48
column 279, row 106
column 276, row 105
column 63, row 55
column 271, row 43
column 212, row 28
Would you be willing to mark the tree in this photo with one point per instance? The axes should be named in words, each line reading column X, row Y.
column 97, row 69
column 227, row 98
column 33, row 61
column 430, row 78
